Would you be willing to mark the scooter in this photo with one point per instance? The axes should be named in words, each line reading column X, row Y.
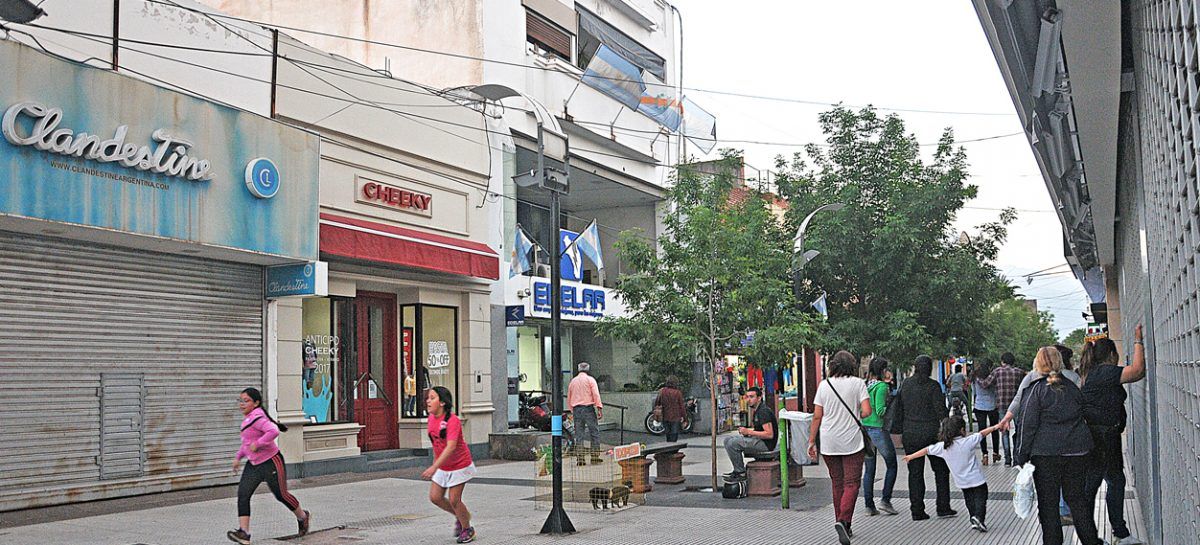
column 533, row 409
column 692, row 410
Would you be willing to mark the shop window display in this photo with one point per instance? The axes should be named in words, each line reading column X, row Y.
column 429, row 341
column 322, row 381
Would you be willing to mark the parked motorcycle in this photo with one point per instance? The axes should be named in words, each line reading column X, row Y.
column 656, row 427
column 533, row 409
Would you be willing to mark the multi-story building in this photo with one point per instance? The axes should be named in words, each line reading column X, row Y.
column 620, row 157
column 1109, row 97
column 144, row 296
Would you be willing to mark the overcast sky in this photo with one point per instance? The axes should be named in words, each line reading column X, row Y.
column 908, row 55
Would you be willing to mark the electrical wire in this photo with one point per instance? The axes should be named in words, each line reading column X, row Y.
column 301, row 65
column 528, row 67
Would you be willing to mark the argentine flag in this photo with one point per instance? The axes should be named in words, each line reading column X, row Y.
column 821, row 306
column 588, row 244
column 519, row 260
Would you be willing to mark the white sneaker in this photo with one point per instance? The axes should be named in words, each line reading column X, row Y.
column 1129, row 540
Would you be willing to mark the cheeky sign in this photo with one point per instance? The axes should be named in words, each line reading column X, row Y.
column 393, row 197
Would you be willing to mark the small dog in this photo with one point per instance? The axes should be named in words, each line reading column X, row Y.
column 620, row 494
column 616, row 496
column 600, row 497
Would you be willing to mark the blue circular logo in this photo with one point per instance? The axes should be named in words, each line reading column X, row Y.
column 262, row 178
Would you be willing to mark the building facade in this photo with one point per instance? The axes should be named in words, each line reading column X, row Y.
column 136, row 226
column 620, row 154
column 1107, row 92
column 391, row 229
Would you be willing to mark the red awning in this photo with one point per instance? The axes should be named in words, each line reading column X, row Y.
column 381, row 243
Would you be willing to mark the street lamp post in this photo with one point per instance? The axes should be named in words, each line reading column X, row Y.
column 551, row 143
column 803, row 257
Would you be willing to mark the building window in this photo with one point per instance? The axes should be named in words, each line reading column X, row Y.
column 429, row 354
column 547, row 36
column 594, row 31
column 323, row 381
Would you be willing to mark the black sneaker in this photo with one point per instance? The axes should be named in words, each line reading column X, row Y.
column 920, row 516
column 948, row 514
column 843, row 533
column 978, row 524
column 303, row 524
column 872, row 511
column 238, row 536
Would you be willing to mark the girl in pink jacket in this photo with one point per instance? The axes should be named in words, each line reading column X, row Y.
column 259, row 431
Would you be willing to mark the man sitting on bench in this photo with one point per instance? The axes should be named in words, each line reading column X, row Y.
column 758, row 439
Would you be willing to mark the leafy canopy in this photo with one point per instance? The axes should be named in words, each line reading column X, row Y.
column 900, row 280
column 719, row 271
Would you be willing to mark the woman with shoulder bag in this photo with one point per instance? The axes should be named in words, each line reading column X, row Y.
column 669, row 408
column 878, row 391
column 840, row 402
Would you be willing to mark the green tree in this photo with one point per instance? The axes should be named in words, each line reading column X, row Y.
column 900, row 280
column 1013, row 326
column 719, row 271
column 1074, row 340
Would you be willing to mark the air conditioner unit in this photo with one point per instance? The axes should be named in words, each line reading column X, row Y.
column 543, row 271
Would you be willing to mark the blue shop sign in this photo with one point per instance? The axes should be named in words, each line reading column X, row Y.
column 300, row 279
column 576, row 300
column 90, row 147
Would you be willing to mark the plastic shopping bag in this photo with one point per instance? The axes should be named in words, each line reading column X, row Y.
column 1024, row 495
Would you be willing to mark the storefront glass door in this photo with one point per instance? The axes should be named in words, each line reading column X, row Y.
column 375, row 387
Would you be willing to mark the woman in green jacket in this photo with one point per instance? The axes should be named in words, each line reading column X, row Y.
column 878, row 389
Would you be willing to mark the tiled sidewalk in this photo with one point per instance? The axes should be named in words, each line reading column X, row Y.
column 395, row 509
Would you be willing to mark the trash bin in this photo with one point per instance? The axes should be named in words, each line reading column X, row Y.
column 798, row 426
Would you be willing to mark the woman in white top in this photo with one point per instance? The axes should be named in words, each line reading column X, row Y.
column 837, row 426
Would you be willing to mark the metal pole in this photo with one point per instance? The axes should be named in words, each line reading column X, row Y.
column 557, row 522
column 783, row 453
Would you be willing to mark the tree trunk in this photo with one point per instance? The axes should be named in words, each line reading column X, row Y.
column 712, row 382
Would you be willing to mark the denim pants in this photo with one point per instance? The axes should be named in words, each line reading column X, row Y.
column 671, row 429
column 738, row 446
column 1108, row 465
column 586, row 425
column 886, row 449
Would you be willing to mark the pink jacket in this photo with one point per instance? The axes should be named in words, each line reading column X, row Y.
column 258, row 430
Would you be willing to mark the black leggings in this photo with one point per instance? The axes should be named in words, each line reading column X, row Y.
column 987, row 419
column 272, row 471
column 976, row 498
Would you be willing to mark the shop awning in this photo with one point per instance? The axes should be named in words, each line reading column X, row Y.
column 370, row 241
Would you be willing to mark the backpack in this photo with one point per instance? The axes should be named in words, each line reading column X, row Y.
column 733, row 490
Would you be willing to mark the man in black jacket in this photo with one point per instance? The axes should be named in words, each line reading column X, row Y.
column 920, row 408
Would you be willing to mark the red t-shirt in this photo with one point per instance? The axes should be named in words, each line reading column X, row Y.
column 443, row 430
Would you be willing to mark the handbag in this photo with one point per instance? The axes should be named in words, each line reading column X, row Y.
column 868, row 446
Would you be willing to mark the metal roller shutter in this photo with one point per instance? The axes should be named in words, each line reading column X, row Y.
column 120, row 369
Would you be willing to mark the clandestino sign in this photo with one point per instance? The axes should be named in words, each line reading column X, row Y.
column 169, row 157
column 92, row 148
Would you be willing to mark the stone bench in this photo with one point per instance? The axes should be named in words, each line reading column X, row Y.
column 670, row 466
column 763, row 477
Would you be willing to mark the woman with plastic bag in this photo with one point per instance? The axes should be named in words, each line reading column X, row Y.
column 1053, row 436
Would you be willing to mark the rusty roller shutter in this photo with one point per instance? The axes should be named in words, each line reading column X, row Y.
column 547, row 35
column 120, row 369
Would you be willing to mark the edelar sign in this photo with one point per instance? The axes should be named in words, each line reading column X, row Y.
column 169, row 157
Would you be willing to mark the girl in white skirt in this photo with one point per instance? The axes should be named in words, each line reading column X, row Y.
column 452, row 465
